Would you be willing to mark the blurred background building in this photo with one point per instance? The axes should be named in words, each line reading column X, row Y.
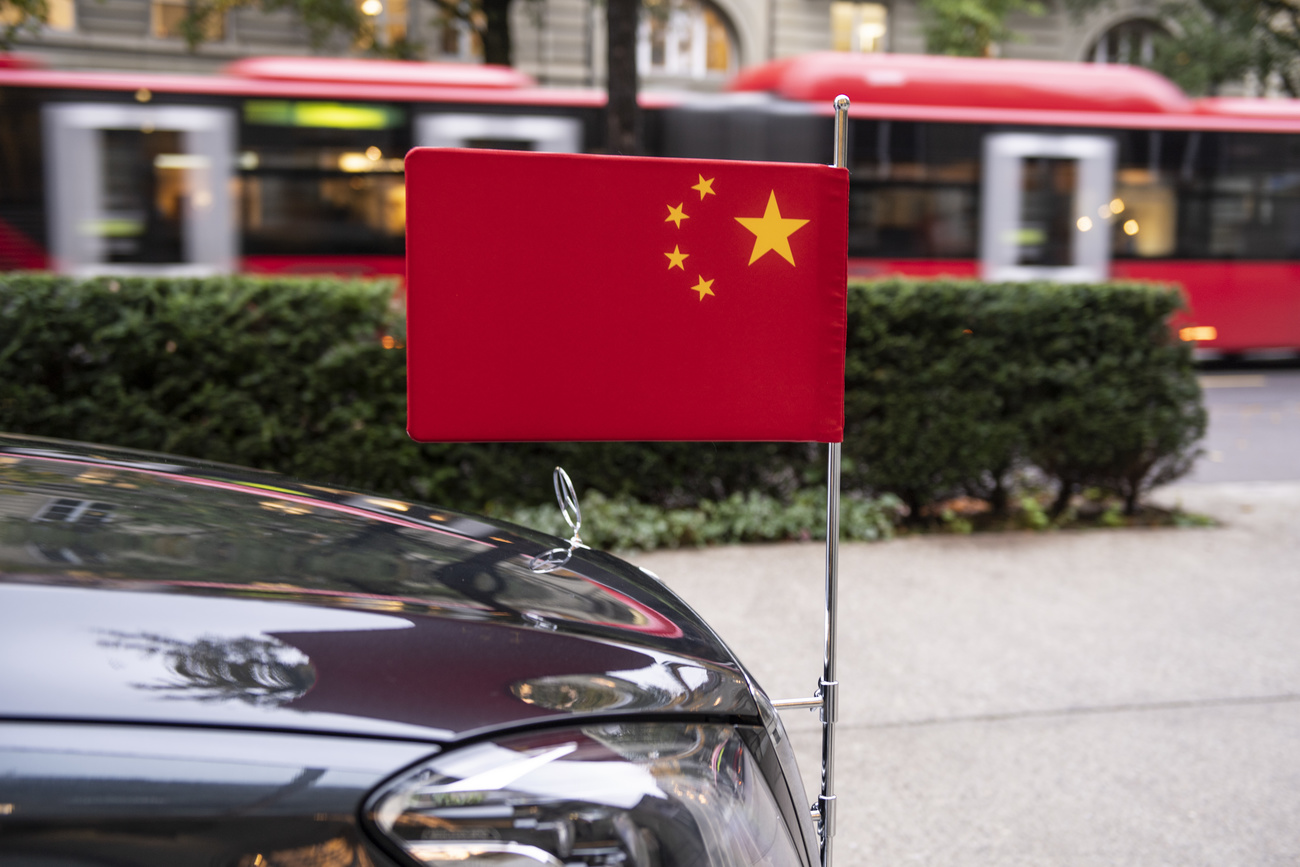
column 682, row 43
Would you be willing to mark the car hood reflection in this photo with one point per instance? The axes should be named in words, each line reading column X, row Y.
column 163, row 590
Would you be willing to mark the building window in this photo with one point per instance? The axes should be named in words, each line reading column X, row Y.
column 60, row 15
column 165, row 17
column 63, row 15
column 455, row 39
column 684, row 39
column 1132, row 41
column 858, row 26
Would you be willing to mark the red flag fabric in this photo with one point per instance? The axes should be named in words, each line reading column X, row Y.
column 560, row 297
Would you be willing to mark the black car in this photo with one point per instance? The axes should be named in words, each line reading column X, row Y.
column 202, row 665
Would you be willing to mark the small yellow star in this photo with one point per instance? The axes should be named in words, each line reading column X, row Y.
column 705, row 187
column 676, row 215
column 704, row 287
column 771, row 231
column 676, row 258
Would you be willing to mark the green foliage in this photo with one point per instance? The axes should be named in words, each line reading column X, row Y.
column 950, row 386
column 1205, row 50
column 21, row 16
column 286, row 375
column 1213, row 42
column 1210, row 43
column 971, row 28
column 1032, row 514
column 290, row 375
column 623, row 523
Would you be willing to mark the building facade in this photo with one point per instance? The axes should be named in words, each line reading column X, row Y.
column 694, row 44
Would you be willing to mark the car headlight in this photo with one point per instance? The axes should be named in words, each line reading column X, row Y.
column 628, row 794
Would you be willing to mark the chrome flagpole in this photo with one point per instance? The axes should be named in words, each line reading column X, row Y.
column 830, row 685
column 827, row 697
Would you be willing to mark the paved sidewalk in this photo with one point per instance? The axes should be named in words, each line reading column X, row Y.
column 1107, row 697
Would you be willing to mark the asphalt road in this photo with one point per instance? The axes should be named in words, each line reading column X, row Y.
column 1254, row 432
column 1102, row 697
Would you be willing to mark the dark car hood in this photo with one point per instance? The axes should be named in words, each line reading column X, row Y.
column 145, row 588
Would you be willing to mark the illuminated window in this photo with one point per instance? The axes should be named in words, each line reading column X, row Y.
column 165, row 17
column 1144, row 215
column 684, row 38
column 63, row 15
column 858, row 26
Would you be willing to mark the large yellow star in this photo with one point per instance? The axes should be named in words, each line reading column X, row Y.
column 705, row 187
column 771, row 231
column 704, row 287
column 676, row 258
column 676, row 215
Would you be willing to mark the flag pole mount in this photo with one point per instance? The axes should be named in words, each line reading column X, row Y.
column 827, row 696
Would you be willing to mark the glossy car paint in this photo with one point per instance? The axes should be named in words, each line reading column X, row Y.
column 211, row 665
column 255, row 602
column 76, row 794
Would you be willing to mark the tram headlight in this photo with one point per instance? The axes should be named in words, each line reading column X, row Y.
column 629, row 794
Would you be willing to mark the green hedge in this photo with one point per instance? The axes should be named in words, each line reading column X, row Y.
column 955, row 386
column 291, row 375
column 951, row 387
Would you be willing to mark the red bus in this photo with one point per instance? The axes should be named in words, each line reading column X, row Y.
column 1003, row 169
column 1010, row 169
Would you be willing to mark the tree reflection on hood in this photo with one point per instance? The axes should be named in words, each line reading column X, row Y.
column 262, row 671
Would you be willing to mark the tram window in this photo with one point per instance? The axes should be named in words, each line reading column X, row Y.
column 22, row 214
column 311, row 188
column 915, row 189
column 502, row 144
column 1047, row 196
column 923, row 152
column 1251, row 195
column 912, row 221
column 1143, row 215
column 1209, row 195
column 1144, row 212
column 145, row 187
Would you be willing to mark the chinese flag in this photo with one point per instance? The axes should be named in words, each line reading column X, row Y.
column 567, row 297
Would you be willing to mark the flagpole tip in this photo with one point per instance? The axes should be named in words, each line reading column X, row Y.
column 841, row 103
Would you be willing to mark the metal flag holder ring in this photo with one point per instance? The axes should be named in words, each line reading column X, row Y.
column 827, row 695
column 549, row 561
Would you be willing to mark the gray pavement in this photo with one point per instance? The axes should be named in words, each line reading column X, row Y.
column 1254, row 432
column 1125, row 697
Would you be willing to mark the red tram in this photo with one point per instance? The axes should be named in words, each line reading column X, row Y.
column 998, row 168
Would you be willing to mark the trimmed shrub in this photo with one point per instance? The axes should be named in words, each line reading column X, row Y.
column 291, row 375
column 623, row 522
column 952, row 386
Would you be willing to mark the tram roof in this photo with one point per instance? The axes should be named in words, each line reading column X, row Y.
column 887, row 86
column 331, row 78
column 991, row 90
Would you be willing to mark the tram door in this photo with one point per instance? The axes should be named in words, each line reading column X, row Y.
column 1045, row 212
column 140, row 189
